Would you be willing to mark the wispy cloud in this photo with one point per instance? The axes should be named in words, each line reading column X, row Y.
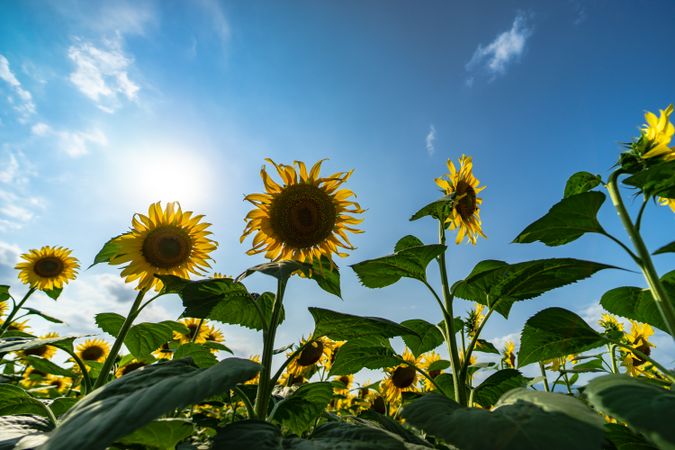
column 102, row 73
column 72, row 143
column 431, row 140
column 21, row 100
column 219, row 22
column 494, row 58
column 17, row 205
column 9, row 256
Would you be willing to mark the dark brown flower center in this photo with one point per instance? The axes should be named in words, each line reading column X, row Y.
column 403, row 377
column 131, row 367
column 644, row 348
column 37, row 351
column 193, row 329
column 344, row 380
column 434, row 373
column 48, row 267
column 311, row 354
column 302, row 215
column 92, row 353
column 167, row 247
column 378, row 405
column 466, row 200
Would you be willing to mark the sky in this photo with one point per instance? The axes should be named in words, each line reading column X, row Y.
column 106, row 107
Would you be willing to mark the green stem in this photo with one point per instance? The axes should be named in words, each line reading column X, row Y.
column 110, row 360
column 196, row 333
column 472, row 345
column 10, row 317
column 86, row 380
column 660, row 295
column 460, row 390
column 612, row 355
column 638, row 221
column 262, row 398
column 50, row 413
column 246, row 400
column 543, row 374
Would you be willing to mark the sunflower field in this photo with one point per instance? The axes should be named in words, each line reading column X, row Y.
column 172, row 384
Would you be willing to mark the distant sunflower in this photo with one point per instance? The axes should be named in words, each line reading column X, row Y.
column 401, row 378
column 43, row 351
column 426, row 362
column 33, row 377
column 197, row 331
column 163, row 352
column 670, row 202
column 304, row 218
column 316, row 354
column 47, row 268
column 474, row 320
column 509, row 355
column 638, row 338
column 21, row 327
column 93, row 350
column 659, row 131
column 343, row 397
column 465, row 214
column 132, row 365
column 256, row 379
column 213, row 334
column 3, row 308
column 165, row 242
column 57, row 384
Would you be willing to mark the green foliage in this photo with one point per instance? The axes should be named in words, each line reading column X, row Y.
column 299, row 411
column 407, row 261
column 428, row 336
column 200, row 355
column 111, row 323
column 439, row 209
column 521, row 420
column 322, row 271
column 668, row 248
column 15, row 400
column 144, row 338
column 656, row 180
column 343, row 327
column 53, row 293
column 581, row 182
column 566, row 221
column 624, row 439
column 130, row 402
column 109, row 250
column 498, row 285
column 486, row 347
column 46, row 366
column 17, row 344
column 644, row 407
column 553, row 333
column 35, row 312
column 354, row 356
column 496, row 385
column 160, row 434
column 16, row 431
column 638, row 304
column 4, row 292
column 61, row 405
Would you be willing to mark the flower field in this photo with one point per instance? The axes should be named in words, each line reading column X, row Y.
column 175, row 383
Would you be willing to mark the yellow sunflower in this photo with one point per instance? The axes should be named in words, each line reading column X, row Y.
column 22, row 327
column 659, row 131
column 93, row 350
column 317, row 354
column 427, row 359
column 401, row 379
column 48, row 268
column 165, row 242
column 163, row 352
column 33, row 377
column 610, row 323
column 509, row 356
column 473, row 322
column 256, row 379
column 465, row 214
column 638, row 338
column 197, row 331
column 43, row 351
column 129, row 367
column 343, row 397
column 3, row 308
column 670, row 202
column 304, row 218
column 56, row 384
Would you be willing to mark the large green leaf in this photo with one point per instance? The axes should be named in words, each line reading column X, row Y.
column 644, row 407
column 4, row 292
column 498, row 284
column 109, row 322
column 486, row 347
column 438, row 209
column 638, row 304
column 323, row 271
column 493, row 387
column 656, row 180
column 249, row 435
column 555, row 332
column 372, row 418
column 566, row 221
column 522, row 420
column 299, row 411
column 15, row 400
column 343, row 327
column 47, row 366
column 428, row 336
column 625, row 439
column 407, row 261
column 108, row 251
column 581, row 182
column 32, row 311
column 161, row 434
column 352, row 357
column 144, row 338
column 130, row 402
column 16, row 344
column 16, row 430
column 201, row 355
column 668, row 248
column 226, row 301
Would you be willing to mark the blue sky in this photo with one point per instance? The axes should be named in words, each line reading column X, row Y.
column 106, row 107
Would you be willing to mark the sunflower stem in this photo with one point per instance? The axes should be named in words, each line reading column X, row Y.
column 110, row 360
column 264, row 387
column 467, row 356
column 10, row 317
column 663, row 302
column 86, row 379
column 543, row 374
column 450, row 337
column 196, row 333
column 246, row 400
column 612, row 355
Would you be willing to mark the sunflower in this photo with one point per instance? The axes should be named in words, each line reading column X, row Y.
column 465, row 214
column 304, row 218
column 611, row 324
column 256, row 379
column 343, row 397
column 3, row 308
column 659, row 131
column 43, row 351
column 319, row 353
column 213, row 334
column 638, row 338
column 129, row 367
column 48, row 268
column 56, row 384
column 427, row 360
column 401, row 379
column 163, row 352
column 93, row 350
column 670, row 202
column 165, row 242
column 197, row 330
column 21, row 327
column 33, row 377
column 474, row 320
column 509, row 356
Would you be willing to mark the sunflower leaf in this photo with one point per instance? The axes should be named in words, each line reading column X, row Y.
column 624, row 439
column 486, row 347
column 438, row 209
column 4, row 292
column 109, row 250
column 129, row 403
column 581, row 182
column 41, row 314
column 15, row 428
column 523, row 421
column 409, row 262
column 645, row 408
column 566, row 221
column 498, row 285
column 497, row 384
column 428, row 336
column 111, row 323
column 172, row 284
column 553, row 333
column 20, row 343
column 160, row 433
column 343, row 327
column 15, row 400
column 201, row 355
column 298, row 411
column 638, row 304
column 352, row 357
column 658, row 180
column 46, row 366
column 144, row 338
column 53, row 293
column 61, row 405
column 668, row 248
column 323, row 271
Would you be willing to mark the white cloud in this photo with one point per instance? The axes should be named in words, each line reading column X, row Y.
column 431, row 139
column 72, row 143
column 23, row 103
column 220, row 25
column 102, row 73
column 507, row 47
column 17, row 206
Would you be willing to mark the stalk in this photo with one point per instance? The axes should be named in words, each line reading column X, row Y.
column 543, row 374
column 16, row 309
column 663, row 303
